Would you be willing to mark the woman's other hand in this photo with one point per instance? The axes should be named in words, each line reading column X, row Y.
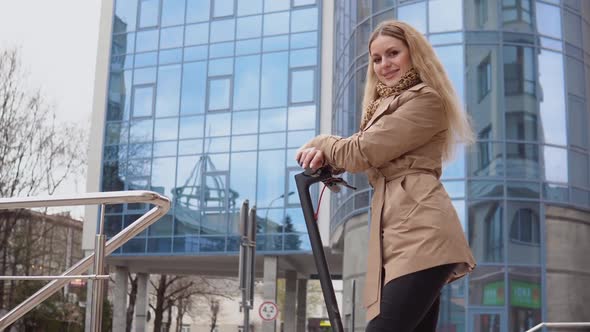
column 310, row 157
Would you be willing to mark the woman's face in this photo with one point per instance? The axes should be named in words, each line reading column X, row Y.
column 391, row 59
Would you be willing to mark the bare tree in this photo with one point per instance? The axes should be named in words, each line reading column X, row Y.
column 132, row 300
column 214, row 307
column 36, row 155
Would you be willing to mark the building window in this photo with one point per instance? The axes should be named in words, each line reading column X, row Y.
column 149, row 12
column 484, row 78
column 302, row 85
column 493, row 240
column 223, row 8
column 516, row 11
column 484, row 148
column 521, row 126
column 519, row 70
column 525, row 227
column 219, row 91
column 143, row 101
column 482, row 12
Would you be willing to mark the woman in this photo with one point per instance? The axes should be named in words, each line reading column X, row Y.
column 411, row 121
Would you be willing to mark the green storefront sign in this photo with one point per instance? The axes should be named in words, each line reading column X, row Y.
column 522, row 294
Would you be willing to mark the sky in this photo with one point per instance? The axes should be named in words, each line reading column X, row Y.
column 57, row 41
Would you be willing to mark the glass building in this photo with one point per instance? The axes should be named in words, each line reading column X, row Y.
column 522, row 71
column 206, row 101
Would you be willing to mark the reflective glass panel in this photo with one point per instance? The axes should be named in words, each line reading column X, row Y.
column 170, row 56
column 520, row 189
column 524, row 233
column 247, row 46
column 302, row 58
column 305, row 39
column 244, row 142
column 276, row 23
column 485, row 189
column 148, row 13
column 522, row 161
column 146, row 59
column 196, row 34
column 272, row 141
column 578, row 119
column 556, row 169
column 141, row 131
column 302, row 86
column 219, row 93
column 273, row 120
column 144, row 76
column 143, row 101
column 223, row 8
column 115, row 133
column 304, row 20
column 125, row 15
column 195, row 53
column 274, row 79
column 165, row 149
column 191, row 146
column 302, row 117
column 456, row 167
column 222, row 30
column 194, row 83
column 578, row 163
column 481, row 14
column 221, row 67
column 248, row 7
column 271, row 177
column 525, row 298
column 249, row 27
column 168, row 97
column 451, row 58
column 218, row 124
column 452, row 18
column 414, row 14
column 197, row 11
column 486, row 231
column 247, row 78
column 163, row 179
column 123, row 43
column 166, row 129
column 147, row 40
column 161, row 227
column 245, row 122
column 549, row 18
column 171, row 37
column 243, row 175
column 191, row 127
column 485, row 159
column 486, row 286
column 276, row 5
column 277, row 43
column 172, row 12
column 295, row 139
column 552, row 106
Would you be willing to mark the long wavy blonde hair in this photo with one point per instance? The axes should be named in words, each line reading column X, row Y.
column 431, row 71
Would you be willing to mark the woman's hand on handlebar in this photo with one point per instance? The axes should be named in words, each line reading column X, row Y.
column 310, row 157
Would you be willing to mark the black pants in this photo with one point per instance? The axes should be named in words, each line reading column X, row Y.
column 410, row 303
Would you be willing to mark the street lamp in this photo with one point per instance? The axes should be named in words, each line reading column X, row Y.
column 271, row 203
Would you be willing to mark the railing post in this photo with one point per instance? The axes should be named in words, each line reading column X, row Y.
column 98, row 286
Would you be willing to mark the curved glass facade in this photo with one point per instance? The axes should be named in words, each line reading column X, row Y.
column 207, row 102
column 522, row 70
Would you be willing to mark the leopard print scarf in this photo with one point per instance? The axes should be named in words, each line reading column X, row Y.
column 408, row 80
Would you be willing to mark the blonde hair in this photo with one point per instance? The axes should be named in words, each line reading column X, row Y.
column 432, row 73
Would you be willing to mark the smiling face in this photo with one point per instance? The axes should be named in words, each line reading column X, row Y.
column 391, row 59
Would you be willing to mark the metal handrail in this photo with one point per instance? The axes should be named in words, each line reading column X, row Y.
column 162, row 205
column 573, row 325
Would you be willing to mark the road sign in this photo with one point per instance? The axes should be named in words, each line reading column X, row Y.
column 268, row 311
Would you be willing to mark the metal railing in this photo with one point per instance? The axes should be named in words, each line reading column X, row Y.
column 566, row 325
column 162, row 205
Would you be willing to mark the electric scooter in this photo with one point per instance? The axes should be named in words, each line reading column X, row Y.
column 304, row 181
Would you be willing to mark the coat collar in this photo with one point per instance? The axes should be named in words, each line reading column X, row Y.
column 385, row 103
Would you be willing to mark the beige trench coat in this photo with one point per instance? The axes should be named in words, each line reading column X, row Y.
column 414, row 225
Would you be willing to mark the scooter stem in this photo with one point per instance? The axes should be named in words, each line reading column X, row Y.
column 304, row 181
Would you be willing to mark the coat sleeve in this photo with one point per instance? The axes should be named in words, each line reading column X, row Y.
column 410, row 126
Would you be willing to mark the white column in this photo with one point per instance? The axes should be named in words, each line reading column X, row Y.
column 301, row 305
column 269, row 290
column 120, row 298
column 289, row 313
column 141, row 302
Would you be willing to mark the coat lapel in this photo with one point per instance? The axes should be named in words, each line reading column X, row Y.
column 385, row 103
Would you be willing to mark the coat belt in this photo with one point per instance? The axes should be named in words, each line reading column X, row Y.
column 373, row 281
